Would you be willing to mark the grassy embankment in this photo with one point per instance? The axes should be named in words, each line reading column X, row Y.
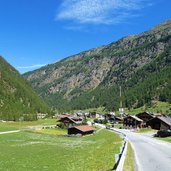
column 34, row 151
column 167, row 139
column 129, row 160
column 146, row 130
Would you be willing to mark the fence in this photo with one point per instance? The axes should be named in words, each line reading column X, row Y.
column 119, row 158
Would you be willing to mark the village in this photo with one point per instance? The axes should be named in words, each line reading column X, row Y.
column 82, row 123
column 85, row 85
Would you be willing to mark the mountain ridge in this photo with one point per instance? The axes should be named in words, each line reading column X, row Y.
column 102, row 68
column 17, row 98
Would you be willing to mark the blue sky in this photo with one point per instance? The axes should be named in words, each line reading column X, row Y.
column 34, row 33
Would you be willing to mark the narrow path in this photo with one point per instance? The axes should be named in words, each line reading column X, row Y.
column 99, row 130
column 8, row 132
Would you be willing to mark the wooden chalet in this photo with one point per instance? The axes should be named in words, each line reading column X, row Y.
column 41, row 115
column 132, row 122
column 95, row 115
column 160, row 123
column 145, row 116
column 92, row 114
column 118, row 119
column 70, row 120
column 82, row 129
column 110, row 117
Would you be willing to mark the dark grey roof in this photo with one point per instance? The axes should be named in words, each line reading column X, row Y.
column 151, row 114
column 136, row 118
column 166, row 119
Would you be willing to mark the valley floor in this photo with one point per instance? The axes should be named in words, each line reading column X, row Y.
column 26, row 150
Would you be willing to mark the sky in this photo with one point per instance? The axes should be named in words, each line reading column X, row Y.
column 34, row 33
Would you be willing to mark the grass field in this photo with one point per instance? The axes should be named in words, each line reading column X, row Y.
column 129, row 160
column 52, row 131
column 8, row 126
column 42, row 152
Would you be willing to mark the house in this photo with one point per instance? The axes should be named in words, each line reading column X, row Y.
column 41, row 115
column 110, row 117
column 96, row 115
column 160, row 123
column 82, row 129
column 118, row 119
column 81, row 114
column 100, row 116
column 145, row 116
column 70, row 120
column 92, row 114
column 132, row 122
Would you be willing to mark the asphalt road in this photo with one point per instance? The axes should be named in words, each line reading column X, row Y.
column 150, row 154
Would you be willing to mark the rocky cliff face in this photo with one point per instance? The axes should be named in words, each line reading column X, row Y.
column 116, row 63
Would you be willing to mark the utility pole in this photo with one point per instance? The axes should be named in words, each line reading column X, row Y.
column 120, row 96
column 121, row 110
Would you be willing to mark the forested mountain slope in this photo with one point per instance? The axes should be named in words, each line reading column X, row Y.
column 17, row 98
column 141, row 64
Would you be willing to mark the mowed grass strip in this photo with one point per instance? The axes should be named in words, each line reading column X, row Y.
column 146, row 130
column 38, row 152
column 167, row 139
column 129, row 159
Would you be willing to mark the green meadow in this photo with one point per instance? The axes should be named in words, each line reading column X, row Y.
column 35, row 151
column 10, row 125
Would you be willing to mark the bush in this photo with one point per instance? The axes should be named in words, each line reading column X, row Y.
column 100, row 121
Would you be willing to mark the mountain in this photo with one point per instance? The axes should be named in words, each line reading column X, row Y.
column 139, row 63
column 17, row 98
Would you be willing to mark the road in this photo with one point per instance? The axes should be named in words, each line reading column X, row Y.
column 150, row 154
